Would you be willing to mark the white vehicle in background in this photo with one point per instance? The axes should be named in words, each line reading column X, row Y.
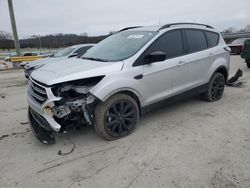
column 72, row 51
column 2, row 66
column 125, row 76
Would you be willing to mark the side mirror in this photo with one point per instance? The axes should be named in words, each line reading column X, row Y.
column 155, row 57
column 73, row 55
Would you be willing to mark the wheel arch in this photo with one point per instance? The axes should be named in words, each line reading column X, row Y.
column 127, row 91
column 223, row 70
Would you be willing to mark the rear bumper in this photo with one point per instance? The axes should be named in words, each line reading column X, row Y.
column 236, row 49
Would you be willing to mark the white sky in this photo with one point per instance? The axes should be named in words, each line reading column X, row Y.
column 99, row 16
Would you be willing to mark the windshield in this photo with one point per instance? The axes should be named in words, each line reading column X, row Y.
column 119, row 46
column 64, row 52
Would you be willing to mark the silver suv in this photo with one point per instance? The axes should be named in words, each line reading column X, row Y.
column 125, row 76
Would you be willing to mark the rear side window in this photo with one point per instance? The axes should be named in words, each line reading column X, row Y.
column 212, row 39
column 196, row 40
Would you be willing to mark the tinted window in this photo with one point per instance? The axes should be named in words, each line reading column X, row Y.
column 82, row 50
column 196, row 40
column 170, row 43
column 212, row 39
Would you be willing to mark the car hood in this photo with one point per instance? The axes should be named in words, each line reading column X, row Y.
column 74, row 69
column 42, row 61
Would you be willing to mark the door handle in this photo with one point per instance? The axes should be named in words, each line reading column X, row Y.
column 180, row 63
column 138, row 77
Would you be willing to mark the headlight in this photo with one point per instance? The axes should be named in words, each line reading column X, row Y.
column 76, row 87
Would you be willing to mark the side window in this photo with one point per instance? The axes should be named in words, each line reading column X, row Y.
column 196, row 40
column 212, row 39
column 82, row 50
column 170, row 43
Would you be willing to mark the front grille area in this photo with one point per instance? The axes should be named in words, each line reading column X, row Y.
column 37, row 92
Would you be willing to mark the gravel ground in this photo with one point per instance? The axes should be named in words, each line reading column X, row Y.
column 188, row 144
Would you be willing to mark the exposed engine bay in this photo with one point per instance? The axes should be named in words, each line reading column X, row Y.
column 61, row 107
column 75, row 107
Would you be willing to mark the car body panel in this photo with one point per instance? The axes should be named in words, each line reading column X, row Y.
column 74, row 69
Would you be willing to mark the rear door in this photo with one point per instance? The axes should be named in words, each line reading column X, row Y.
column 198, row 59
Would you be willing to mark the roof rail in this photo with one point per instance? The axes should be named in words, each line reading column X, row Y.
column 187, row 23
column 127, row 28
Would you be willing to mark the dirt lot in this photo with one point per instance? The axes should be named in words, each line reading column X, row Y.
column 189, row 144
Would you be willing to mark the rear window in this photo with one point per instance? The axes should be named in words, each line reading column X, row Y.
column 212, row 39
column 196, row 40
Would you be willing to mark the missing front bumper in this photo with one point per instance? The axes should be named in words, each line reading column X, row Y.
column 40, row 127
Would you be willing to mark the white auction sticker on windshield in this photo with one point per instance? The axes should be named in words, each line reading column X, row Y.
column 135, row 36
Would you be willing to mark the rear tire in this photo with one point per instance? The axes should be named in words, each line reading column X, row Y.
column 116, row 117
column 215, row 88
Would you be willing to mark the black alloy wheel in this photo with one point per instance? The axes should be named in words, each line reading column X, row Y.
column 120, row 118
column 116, row 117
column 217, row 88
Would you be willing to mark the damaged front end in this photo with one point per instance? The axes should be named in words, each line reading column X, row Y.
column 61, row 107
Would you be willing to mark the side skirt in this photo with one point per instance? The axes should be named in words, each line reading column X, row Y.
column 171, row 100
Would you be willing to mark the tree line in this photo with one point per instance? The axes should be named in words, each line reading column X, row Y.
column 48, row 41
column 235, row 30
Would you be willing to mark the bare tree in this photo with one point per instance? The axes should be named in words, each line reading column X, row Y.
column 230, row 30
column 247, row 28
column 5, row 35
column 84, row 34
column 6, row 40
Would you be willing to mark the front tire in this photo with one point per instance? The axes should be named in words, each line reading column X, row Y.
column 116, row 117
column 215, row 88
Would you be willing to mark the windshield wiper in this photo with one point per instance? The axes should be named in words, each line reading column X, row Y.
column 94, row 59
